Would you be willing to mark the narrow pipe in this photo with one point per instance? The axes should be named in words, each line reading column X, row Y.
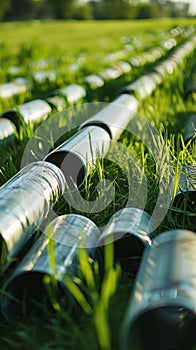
column 94, row 81
column 26, row 287
column 17, row 87
column 128, row 230
column 78, row 153
column 161, row 313
column 73, row 93
column 7, row 129
column 25, row 201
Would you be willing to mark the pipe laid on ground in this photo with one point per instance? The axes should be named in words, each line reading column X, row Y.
column 26, row 287
column 7, row 129
column 129, row 230
column 161, row 313
column 25, row 201
column 190, row 128
column 17, row 87
column 32, row 111
column 78, row 153
column 115, row 116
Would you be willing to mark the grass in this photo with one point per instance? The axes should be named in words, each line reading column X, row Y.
column 102, row 298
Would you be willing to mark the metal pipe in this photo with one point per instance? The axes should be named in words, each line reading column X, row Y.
column 109, row 74
column 115, row 116
column 94, row 81
column 190, row 128
column 186, row 193
column 141, row 87
column 161, row 313
column 26, row 287
column 25, row 201
column 73, row 93
column 35, row 110
column 17, row 87
column 76, row 156
column 129, row 230
column 56, row 102
column 41, row 77
column 7, row 129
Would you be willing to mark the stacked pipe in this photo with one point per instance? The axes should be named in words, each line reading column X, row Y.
column 71, row 157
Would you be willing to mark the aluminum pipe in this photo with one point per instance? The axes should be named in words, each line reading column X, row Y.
column 32, row 111
column 187, row 182
column 25, row 201
column 109, row 74
column 129, row 230
column 115, row 116
column 190, row 128
column 26, row 287
column 142, row 87
column 17, row 87
column 41, row 77
column 73, row 93
column 94, row 81
column 56, row 102
column 7, row 128
column 161, row 313
column 79, row 153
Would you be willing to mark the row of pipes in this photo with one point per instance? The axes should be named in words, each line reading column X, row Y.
column 164, row 296
column 39, row 109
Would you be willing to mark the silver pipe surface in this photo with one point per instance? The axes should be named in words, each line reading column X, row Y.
column 56, row 102
column 128, row 229
column 73, row 93
column 94, row 81
column 25, row 201
column 30, row 112
column 142, row 87
column 17, row 87
column 115, row 116
column 161, row 313
column 78, row 153
column 7, row 128
column 68, row 234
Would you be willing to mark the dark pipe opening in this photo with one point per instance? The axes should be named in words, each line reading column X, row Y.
column 100, row 124
column 12, row 116
column 72, row 167
column 164, row 328
column 186, row 202
column 29, row 296
column 128, row 251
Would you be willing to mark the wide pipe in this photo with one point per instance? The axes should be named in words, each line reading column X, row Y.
column 115, row 116
column 26, row 287
column 32, row 111
column 161, row 313
column 128, row 229
column 25, row 201
column 79, row 153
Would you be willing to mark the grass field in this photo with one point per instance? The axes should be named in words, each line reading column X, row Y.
column 96, row 322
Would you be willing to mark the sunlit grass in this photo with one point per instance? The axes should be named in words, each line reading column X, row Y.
column 100, row 299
